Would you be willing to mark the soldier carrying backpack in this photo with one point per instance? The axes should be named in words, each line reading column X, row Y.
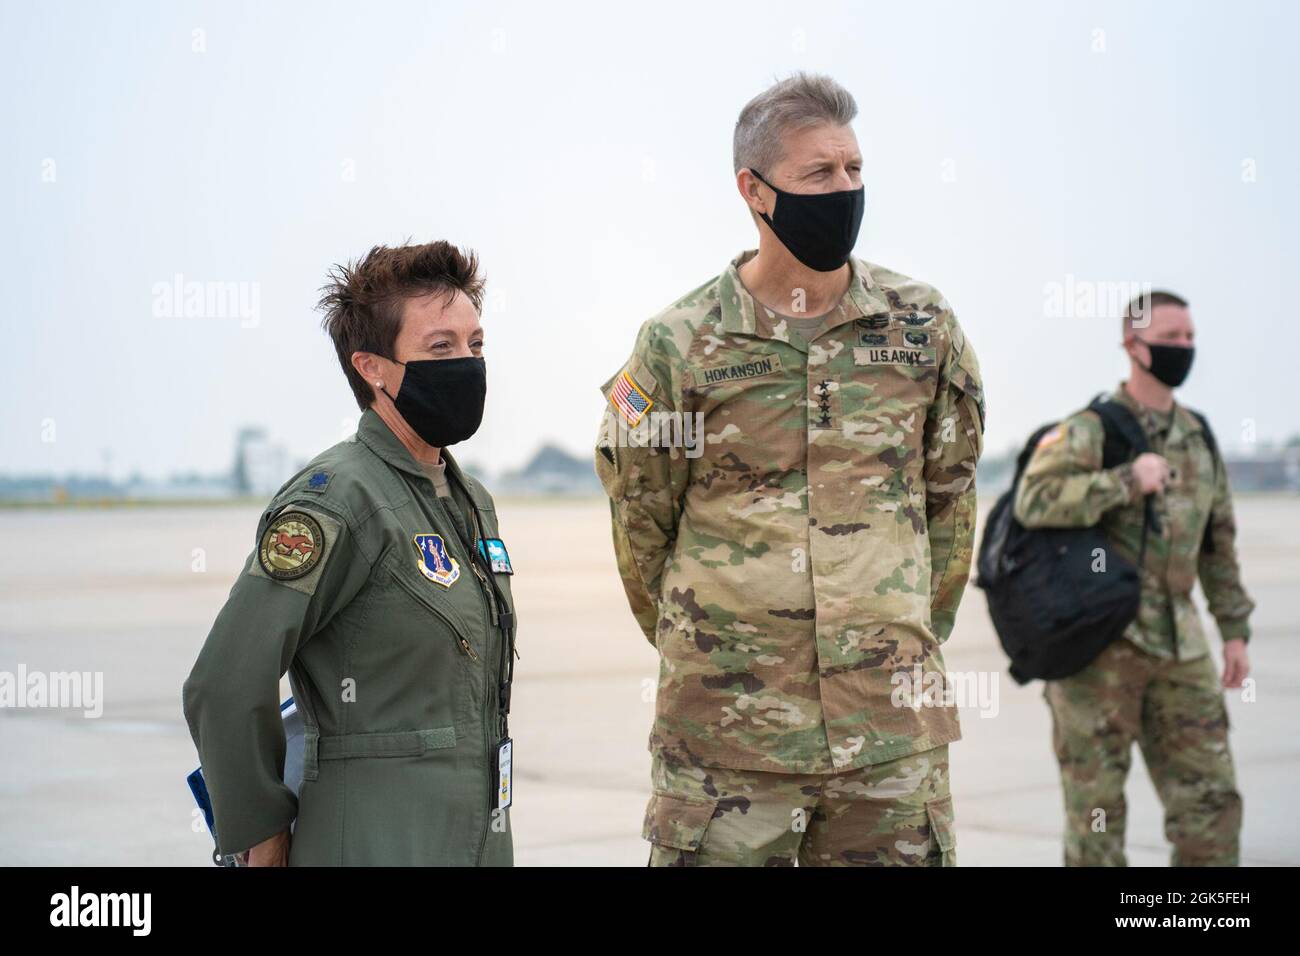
column 1094, row 500
column 1057, row 595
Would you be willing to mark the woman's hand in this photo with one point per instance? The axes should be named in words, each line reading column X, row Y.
column 271, row 852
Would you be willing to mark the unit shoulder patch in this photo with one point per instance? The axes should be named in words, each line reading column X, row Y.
column 291, row 546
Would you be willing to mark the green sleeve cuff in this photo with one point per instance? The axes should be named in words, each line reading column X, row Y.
column 941, row 622
column 1124, row 476
column 251, row 829
column 1234, row 630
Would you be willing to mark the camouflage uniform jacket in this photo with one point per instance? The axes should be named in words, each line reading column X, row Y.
column 1064, row 485
column 816, row 540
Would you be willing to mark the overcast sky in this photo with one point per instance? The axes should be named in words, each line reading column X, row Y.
column 1020, row 156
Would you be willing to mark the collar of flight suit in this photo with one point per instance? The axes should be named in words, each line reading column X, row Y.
column 379, row 438
column 741, row 311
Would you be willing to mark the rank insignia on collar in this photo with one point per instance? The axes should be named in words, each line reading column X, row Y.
column 435, row 563
column 494, row 549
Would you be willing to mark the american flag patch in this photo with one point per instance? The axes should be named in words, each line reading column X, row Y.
column 627, row 397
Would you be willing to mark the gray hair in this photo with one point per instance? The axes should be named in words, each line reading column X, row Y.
column 803, row 100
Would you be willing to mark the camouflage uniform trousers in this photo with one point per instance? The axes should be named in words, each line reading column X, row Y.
column 897, row 813
column 1175, row 711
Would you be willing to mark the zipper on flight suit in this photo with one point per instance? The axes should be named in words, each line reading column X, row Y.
column 468, row 650
column 485, row 589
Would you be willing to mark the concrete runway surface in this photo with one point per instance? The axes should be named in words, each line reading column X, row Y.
column 115, row 590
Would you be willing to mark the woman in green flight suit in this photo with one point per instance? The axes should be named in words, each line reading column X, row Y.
column 379, row 582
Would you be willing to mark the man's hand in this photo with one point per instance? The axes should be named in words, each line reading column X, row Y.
column 1151, row 472
column 271, row 852
column 1236, row 662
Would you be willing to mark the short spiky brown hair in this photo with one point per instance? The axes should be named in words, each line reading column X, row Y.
column 1145, row 303
column 363, row 300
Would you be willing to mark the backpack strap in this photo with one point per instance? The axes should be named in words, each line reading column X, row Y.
column 1124, row 441
column 1210, row 441
column 1207, row 540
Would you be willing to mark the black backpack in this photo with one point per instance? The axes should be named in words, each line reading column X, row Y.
column 1053, row 613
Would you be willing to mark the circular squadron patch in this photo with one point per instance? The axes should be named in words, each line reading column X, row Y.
column 291, row 545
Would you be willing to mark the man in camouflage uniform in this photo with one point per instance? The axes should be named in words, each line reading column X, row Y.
column 798, row 557
column 1157, row 685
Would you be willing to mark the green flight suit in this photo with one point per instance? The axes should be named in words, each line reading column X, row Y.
column 361, row 586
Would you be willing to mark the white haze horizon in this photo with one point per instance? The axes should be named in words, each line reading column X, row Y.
column 1020, row 156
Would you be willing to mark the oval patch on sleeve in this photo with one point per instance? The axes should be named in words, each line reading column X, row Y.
column 291, row 546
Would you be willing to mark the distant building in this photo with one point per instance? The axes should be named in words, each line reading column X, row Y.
column 261, row 467
column 192, row 487
column 552, row 471
column 1271, row 469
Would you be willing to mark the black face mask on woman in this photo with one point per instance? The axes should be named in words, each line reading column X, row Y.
column 1170, row 363
column 819, row 229
column 442, row 399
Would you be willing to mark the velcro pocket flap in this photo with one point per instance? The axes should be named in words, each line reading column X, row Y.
column 676, row 821
column 942, row 827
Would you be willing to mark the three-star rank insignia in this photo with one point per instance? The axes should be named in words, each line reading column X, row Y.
column 435, row 563
column 292, row 544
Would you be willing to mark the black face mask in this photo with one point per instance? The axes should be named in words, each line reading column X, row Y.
column 442, row 399
column 819, row 229
column 1170, row 363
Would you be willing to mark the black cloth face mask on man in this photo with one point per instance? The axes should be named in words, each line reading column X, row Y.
column 1170, row 364
column 442, row 399
column 819, row 229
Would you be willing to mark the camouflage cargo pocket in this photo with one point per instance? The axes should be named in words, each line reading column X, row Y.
column 675, row 825
column 943, row 833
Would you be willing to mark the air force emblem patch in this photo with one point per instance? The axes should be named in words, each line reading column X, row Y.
column 435, row 563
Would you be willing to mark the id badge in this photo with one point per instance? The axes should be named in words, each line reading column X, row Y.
column 504, row 783
column 494, row 550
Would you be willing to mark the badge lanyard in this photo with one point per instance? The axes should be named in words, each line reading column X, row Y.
column 506, row 673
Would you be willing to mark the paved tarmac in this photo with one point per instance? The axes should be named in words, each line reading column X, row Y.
column 131, row 592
